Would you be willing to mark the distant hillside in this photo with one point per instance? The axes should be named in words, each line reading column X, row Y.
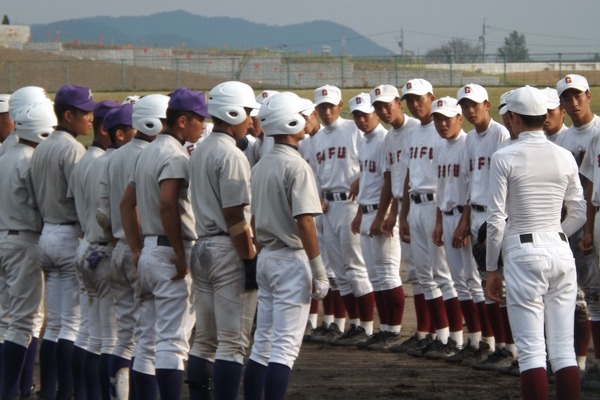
column 177, row 29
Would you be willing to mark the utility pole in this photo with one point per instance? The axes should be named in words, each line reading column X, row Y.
column 482, row 39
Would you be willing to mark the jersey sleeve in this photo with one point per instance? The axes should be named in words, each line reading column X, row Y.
column 496, row 221
column 303, row 192
column 234, row 181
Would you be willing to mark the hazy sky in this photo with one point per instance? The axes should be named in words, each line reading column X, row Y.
column 550, row 26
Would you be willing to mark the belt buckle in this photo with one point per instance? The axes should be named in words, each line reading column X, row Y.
column 337, row 197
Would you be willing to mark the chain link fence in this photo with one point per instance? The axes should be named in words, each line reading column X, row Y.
column 162, row 70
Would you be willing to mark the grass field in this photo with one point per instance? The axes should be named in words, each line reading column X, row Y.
column 494, row 94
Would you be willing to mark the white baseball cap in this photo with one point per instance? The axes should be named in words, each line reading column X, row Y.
column 260, row 98
column 417, row 86
column 552, row 96
column 528, row 101
column 572, row 81
column 384, row 93
column 502, row 106
column 361, row 102
column 4, row 99
column 310, row 107
column 447, row 106
column 472, row 91
column 328, row 94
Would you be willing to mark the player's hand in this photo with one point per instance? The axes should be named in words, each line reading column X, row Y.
column 375, row 229
column 320, row 288
column 404, row 231
column 437, row 235
column 494, row 286
column 355, row 224
column 388, row 225
column 182, row 268
column 586, row 244
column 461, row 236
column 250, row 274
column 324, row 206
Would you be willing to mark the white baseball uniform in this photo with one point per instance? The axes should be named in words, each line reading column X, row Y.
column 538, row 263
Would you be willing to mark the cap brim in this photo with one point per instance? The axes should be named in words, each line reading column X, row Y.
column 416, row 92
column 503, row 110
column 86, row 106
column 328, row 99
column 580, row 88
column 445, row 112
column 364, row 109
column 476, row 99
column 254, row 112
column 383, row 99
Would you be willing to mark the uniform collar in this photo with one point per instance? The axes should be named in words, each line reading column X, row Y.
column 168, row 133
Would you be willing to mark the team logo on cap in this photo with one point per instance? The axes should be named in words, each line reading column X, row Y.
column 440, row 103
column 265, row 95
column 568, row 79
column 358, row 100
column 409, row 85
column 324, row 92
column 467, row 89
column 90, row 94
column 377, row 92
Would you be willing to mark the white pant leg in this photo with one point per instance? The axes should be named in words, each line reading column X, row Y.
column 384, row 253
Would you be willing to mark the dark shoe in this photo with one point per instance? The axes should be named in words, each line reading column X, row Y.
column 500, row 359
column 386, row 340
column 482, row 353
column 467, row 351
column 442, row 352
column 406, row 345
column 591, row 378
column 333, row 332
column 422, row 347
column 374, row 338
column 354, row 335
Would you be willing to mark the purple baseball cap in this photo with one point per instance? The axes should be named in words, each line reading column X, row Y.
column 76, row 96
column 105, row 106
column 184, row 99
column 120, row 115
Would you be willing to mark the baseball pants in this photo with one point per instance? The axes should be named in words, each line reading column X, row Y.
column 343, row 249
column 20, row 268
column 541, row 286
column 166, row 314
column 58, row 244
column 96, row 278
column 463, row 268
column 381, row 255
column 430, row 260
column 123, row 278
column 284, row 285
column 83, row 335
column 224, row 309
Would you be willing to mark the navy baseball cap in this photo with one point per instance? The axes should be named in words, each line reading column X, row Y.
column 184, row 99
column 105, row 106
column 76, row 96
column 120, row 115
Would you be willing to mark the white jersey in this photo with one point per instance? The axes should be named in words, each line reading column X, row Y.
column 93, row 231
column 590, row 167
column 453, row 173
column 335, row 155
column 577, row 139
column 86, row 210
column 479, row 148
column 396, row 140
column 116, row 177
column 555, row 135
column 418, row 156
column 372, row 155
column 10, row 142
column 190, row 147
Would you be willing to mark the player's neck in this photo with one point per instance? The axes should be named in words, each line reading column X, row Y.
column 483, row 125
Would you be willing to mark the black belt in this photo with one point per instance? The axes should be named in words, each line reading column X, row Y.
column 337, row 196
column 597, row 209
column 421, row 198
column 100, row 243
column 69, row 223
column 12, row 232
column 163, row 241
column 478, row 208
column 528, row 237
column 368, row 209
column 451, row 212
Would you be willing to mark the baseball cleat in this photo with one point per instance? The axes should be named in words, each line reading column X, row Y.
column 467, row 351
column 352, row 336
column 423, row 347
column 591, row 378
column 501, row 358
column 329, row 335
column 441, row 351
column 406, row 345
column 384, row 341
column 482, row 353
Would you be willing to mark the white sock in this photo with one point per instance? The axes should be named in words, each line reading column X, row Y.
column 383, row 327
column 312, row 318
column 367, row 326
column 341, row 323
column 443, row 334
column 395, row 328
column 581, row 362
column 421, row 335
column 474, row 337
column 512, row 348
column 489, row 340
column 327, row 319
column 458, row 338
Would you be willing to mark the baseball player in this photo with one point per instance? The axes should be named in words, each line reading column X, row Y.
column 96, row 268
column 51, row 167
column 335, row 154
column 224, row 259
column 452, row 196
column 430, row 260
column 159, row 188
column 86, row 368
column 539, row 267
column 555, row 122
column 263, row 143
column 7, row 125
column 20, row 227
column 148, row 117
column 482, row 141
column 575, row 97
column 334, row 310
column 290, row 268
column 380, row 252
column 388, row 107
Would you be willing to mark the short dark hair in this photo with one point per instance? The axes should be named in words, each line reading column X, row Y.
column 60, row 111
column 173, row 115
column 97, row 124
column 112, row 132
column 535, row 121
